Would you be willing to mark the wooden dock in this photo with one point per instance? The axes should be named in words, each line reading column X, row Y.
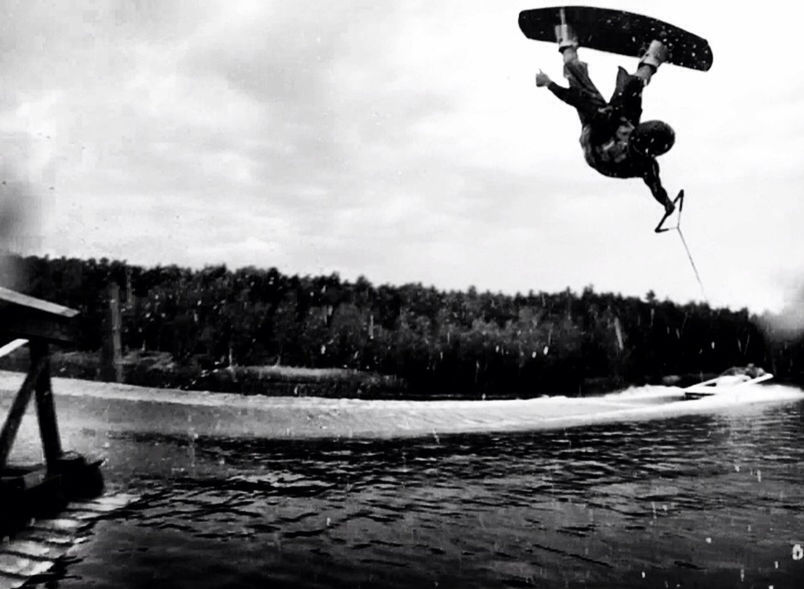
column 38, row 490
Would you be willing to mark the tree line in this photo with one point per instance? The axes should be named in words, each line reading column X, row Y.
column 461, row 342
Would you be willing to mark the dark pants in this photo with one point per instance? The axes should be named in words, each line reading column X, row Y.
column 604, row 117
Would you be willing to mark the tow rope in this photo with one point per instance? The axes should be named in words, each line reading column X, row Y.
column 661, row 229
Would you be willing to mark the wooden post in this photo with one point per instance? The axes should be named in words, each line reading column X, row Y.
column 45, row 408
column 129, row 289
column 111, row 354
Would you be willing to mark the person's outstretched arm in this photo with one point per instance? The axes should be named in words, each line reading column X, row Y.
column 565, row 94
column 653, row 181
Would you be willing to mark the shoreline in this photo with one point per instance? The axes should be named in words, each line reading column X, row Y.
column 114, row 408
column 294, row 381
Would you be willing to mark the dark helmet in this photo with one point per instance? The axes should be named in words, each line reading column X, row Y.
column 653, row 138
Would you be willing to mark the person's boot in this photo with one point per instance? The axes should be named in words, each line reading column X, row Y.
column 655, row 55
column 566, row 38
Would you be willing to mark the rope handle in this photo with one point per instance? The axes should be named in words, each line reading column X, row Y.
column 680, row 200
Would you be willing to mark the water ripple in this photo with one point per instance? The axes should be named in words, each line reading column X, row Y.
column 707, row 500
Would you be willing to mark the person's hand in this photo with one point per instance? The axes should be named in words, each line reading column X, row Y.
column 542, row 79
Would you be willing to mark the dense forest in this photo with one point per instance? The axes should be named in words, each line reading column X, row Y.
column 466, row 343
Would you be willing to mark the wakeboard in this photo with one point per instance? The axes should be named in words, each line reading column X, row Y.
column 617, row 31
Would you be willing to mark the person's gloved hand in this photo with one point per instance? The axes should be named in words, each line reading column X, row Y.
column 542, row 79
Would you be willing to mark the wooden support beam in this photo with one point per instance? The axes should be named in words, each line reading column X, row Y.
column 11, row 346
column 45, row 407
column 17, row 410
column 23, row 316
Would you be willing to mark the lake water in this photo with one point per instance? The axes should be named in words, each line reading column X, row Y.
column 703, row 500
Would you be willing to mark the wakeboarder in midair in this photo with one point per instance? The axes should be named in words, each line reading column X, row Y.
column 614, row 141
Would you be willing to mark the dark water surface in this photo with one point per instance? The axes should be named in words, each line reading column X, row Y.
column 692, row 501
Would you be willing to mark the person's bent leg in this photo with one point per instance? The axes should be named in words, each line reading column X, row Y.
column 627, row 96
column 586, row 98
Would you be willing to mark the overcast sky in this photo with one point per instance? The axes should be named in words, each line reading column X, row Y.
column 402, row 141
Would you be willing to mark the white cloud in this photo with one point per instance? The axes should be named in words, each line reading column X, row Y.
column 405, row 142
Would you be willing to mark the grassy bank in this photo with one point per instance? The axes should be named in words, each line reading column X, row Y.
column 158, row 370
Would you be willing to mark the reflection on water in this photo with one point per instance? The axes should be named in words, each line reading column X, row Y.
column 702, row 500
